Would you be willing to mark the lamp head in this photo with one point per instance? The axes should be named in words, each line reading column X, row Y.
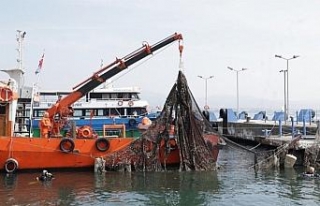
column 230, row 68
column 278, row 56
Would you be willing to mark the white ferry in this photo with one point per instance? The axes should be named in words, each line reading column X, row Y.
column 102, row 106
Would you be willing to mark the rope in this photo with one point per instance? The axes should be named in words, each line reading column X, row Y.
column 130, row 69
column 238, row 145
column 255, row 146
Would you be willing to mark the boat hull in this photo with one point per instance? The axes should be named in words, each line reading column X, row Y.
column 173, row 157
column 42, row 153
column 144, row 154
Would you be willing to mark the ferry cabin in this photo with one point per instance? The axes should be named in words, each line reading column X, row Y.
column 118, row 103
column 99, row 107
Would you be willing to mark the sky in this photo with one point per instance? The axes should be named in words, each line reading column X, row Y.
column 76, row 34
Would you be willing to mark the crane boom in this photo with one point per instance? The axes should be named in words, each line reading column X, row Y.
column 62, row 107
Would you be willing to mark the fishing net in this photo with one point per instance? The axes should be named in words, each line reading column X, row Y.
column 153, row 151
column 311, row 154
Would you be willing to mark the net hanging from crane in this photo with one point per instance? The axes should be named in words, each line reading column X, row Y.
column 159, row 146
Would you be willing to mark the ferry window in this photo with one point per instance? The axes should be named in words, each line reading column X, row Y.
column 105, row 112
column 114, row 112
column 105, row 96
column 126, row 96
column 100, row 112
column 90, row 112
column 134, row 96
column 120, row 95
column 95, row 96
column 39, row 113
column 77, row 113
column 143, row 111
column 114, row 96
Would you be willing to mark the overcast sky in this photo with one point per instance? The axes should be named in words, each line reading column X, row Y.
column 77, row 34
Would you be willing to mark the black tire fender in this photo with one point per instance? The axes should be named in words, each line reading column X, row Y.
column 11, row 165
column 67, row 145
column 102, row 144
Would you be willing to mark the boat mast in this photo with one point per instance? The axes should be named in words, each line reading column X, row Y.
column 20, row 38
column 17, row 73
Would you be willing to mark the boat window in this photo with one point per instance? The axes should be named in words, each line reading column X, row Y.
column 120, row 96
column 38, row 113
column 90, row 112
column 106, row 112
column 126, row 96
column 136, row 111
column 114, row 96
column 134, row 96
column 77, row 113
column 100, row 112
column 105, row 96
column 114, row 112
column 96, row 95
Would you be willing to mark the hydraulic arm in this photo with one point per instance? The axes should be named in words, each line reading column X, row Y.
column 62, row 108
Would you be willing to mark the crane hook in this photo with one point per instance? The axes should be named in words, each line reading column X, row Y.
column 180, row 48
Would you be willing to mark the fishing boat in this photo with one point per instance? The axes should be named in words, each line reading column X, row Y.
column 54, row 149
column 105, row 105
column 37, row 153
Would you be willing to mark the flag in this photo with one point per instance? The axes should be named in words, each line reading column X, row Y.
column 40, row 64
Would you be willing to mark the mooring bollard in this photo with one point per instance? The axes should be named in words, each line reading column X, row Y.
column 280, row 128
column 304, row 128
column 292, row 127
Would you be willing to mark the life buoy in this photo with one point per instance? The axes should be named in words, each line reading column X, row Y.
column 11, row 165
column 132, row 122
column 5, row 94
column 67, row 145
column 120, row 103
column 130, row 103
column 85, row 132
column 146, row 121
column 102, row 144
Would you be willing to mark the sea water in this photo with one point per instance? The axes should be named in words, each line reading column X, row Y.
column 236, row 182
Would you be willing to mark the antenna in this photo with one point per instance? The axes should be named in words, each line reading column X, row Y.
column 20, row 37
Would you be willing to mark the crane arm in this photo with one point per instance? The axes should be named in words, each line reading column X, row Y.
column 106, row 73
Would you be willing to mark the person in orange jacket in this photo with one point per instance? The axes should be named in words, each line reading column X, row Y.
column 45, row 125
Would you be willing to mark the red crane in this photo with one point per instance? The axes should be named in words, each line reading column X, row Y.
column 61, row 110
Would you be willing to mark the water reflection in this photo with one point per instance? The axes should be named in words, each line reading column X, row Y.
column 236, row 183
column 67, row 188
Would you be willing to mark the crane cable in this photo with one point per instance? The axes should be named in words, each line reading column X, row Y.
column 130, row 69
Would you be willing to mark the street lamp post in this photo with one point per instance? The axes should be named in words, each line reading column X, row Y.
column 284, row 95
column 287, row 71
column 206, row 107
column 237, row 75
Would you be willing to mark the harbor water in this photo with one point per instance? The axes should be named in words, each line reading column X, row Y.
column 235, row 183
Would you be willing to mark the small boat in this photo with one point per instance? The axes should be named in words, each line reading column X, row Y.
column 54, row 149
